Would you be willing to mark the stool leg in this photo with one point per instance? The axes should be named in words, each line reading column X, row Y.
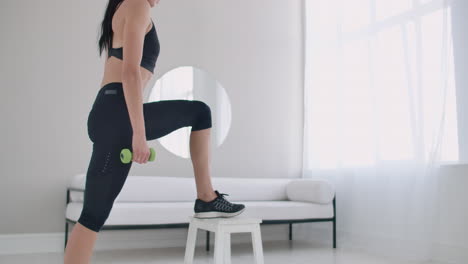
column 227, row 246
column 219, row 246
column 190, row 246
column 257, row 245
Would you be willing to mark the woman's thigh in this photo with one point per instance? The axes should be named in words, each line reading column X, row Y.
column 163, row 117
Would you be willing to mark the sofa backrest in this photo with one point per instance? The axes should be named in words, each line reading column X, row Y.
column 178, row 189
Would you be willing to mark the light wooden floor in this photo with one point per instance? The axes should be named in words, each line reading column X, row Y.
column 275, row 252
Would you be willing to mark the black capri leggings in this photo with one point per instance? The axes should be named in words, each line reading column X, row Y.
column 110, row 130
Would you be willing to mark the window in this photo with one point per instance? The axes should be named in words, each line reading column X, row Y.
column 375, row 75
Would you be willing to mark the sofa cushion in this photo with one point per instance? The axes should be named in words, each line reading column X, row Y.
column 310, row 190
column 183, row 189
column 143, row 213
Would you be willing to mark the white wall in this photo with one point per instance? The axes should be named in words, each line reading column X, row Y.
column 460, row 53
column 50, row 73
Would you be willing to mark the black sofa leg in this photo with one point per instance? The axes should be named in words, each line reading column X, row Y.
column 334, row 233
column 334, row 222
column 66, row 235
column 290, row 231
column 207, row 240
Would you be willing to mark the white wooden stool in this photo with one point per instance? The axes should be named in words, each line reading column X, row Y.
column 223, row 227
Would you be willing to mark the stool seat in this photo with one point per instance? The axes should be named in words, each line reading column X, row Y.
column 223, row 227
column 229, row 220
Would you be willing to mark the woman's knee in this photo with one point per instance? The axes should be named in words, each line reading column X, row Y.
column 94, row 218
column 203, row 120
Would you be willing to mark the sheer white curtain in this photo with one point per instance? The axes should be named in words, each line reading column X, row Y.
column 380, row 116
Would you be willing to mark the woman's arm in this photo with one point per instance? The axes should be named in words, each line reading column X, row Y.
column 135, row 24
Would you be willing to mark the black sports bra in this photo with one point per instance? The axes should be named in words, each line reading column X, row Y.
column 150, row 50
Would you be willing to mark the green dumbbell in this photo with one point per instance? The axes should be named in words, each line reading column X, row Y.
column 126, row 155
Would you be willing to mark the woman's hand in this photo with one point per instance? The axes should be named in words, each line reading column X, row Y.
column 140, row 149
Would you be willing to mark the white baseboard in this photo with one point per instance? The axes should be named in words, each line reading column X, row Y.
column 126, row 239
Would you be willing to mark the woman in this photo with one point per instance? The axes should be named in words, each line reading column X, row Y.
column 118, row 119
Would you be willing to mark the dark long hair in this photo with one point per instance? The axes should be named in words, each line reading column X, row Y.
column 105, row 40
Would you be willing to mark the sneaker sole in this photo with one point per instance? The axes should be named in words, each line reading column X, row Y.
column 217, row 214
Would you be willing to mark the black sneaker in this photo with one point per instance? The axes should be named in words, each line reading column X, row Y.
column 219, row 207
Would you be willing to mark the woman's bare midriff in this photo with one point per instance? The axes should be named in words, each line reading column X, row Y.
column 113, row 69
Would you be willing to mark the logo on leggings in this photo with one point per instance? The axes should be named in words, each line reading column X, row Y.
column 110, row 92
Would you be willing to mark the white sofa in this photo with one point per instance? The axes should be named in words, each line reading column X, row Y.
column 148, row 202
